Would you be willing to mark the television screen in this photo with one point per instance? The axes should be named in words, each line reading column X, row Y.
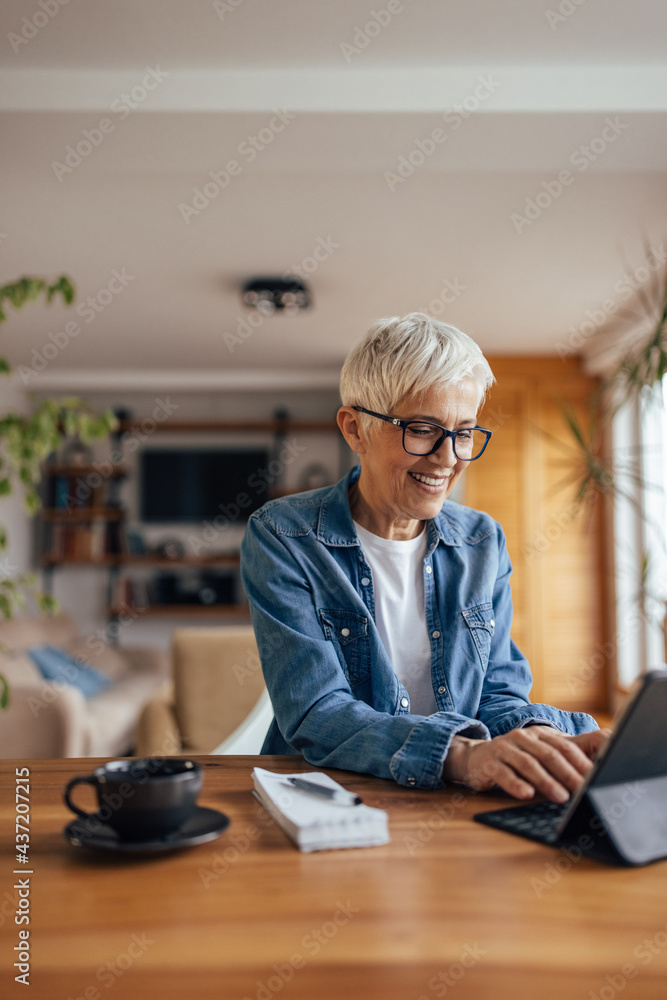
column 191, row 485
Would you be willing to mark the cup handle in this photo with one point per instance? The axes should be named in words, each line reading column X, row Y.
column 87, row 779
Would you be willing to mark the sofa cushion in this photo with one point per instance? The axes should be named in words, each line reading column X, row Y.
column 111, row 719
column 18, row 668
column 57, row 665
column 32, row 630
column 145, row 660
column 35, row 727
column 112, row 661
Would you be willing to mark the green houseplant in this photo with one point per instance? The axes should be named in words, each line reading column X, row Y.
column 637, row 375
column 638, row 372
column 27, row 439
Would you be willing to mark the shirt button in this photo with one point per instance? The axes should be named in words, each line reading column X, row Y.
column 345, row 631
column 404, row 702
column 428, row 569
column 442, row 689
column 492, row 623
column 365, row 581
column 436, row 634
column 412, row 781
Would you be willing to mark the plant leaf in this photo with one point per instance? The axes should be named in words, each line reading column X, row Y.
column 47, row 603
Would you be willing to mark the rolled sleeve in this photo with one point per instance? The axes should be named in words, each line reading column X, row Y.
column 570, row 723
column 420, row 760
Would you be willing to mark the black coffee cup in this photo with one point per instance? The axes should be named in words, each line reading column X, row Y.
column 140, row 799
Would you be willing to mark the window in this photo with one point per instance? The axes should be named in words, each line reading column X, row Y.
column 640, row 530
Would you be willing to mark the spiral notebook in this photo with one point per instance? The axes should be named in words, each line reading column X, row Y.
column 316, row 824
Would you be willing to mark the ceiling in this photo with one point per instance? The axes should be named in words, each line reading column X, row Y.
column 340, row 105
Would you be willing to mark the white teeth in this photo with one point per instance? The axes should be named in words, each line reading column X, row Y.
column 427, row 479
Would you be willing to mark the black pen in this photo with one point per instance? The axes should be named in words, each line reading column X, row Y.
column 338, row 795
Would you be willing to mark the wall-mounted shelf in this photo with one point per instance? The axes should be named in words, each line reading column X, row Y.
column 149, row 561
column 182, row 611
column 107, row 469
column 83, row 514
column 83, row 525
column 217, row 426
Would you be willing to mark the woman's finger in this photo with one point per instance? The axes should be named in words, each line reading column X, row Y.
column 568, row 749
column 548, row 773
column 590, row 743
column 485, row 770
column 510, row 782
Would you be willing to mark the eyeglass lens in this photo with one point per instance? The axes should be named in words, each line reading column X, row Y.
column 420, row 439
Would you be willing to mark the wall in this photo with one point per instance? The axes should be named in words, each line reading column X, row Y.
column 525, row 480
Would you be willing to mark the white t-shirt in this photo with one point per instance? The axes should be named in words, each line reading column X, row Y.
column 400, row 616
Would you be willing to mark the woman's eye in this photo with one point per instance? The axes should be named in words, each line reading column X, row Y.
column 421, row 430
column 464, row 435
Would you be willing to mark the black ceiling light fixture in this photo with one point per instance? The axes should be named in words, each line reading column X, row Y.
column 269, row 294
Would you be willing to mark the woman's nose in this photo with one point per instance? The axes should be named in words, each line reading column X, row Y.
column 445, row 456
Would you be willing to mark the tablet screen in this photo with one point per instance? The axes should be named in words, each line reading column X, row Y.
column 638, row 747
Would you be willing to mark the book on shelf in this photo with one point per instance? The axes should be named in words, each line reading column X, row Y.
column 131, row 593
column 67, row 492
column 83, row 540
column 136, row 544
column 60, row 492
column 97, row 538
column 115, row 539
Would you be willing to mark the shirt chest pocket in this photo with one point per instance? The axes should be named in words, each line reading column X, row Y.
column 481, row 627
column 349, row 633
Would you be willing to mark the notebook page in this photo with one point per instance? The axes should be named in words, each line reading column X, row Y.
column 308, row 812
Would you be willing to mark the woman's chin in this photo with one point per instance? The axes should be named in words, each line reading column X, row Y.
column 427, row 507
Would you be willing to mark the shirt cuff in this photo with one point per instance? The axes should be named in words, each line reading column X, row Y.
column 418, row 763
column 570, row 723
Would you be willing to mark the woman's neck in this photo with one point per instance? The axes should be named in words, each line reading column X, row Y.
column 399, row 529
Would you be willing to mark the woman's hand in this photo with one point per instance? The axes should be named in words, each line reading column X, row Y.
column 525, row 761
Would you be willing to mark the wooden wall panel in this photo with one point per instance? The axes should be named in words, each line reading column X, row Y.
column 570, row 566
column 495, row 484
column 555, row 546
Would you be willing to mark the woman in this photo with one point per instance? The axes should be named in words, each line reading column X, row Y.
column 383, row 611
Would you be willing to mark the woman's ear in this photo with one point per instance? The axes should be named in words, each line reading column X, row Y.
column 350, row 427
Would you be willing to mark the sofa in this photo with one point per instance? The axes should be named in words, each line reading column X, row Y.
column 46, row 718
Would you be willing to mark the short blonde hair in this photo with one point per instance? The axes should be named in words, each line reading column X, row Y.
column 401, row 357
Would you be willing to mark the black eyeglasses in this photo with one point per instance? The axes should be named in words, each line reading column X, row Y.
column 421, row 437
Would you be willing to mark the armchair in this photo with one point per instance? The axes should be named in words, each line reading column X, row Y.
column 219, row 702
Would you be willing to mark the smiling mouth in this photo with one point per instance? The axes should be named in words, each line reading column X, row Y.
column 428, row 480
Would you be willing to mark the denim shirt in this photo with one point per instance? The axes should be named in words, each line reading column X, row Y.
column 335, row 695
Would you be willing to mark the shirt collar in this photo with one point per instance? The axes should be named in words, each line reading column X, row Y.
column 336, row 527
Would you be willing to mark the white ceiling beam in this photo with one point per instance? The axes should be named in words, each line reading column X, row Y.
column 193, row 380
column 515, row 89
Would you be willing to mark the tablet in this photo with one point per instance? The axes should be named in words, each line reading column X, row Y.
column 619, row 813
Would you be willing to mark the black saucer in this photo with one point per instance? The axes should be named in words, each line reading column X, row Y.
column 203, row 825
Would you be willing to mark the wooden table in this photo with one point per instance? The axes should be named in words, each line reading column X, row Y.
column 448, row 908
